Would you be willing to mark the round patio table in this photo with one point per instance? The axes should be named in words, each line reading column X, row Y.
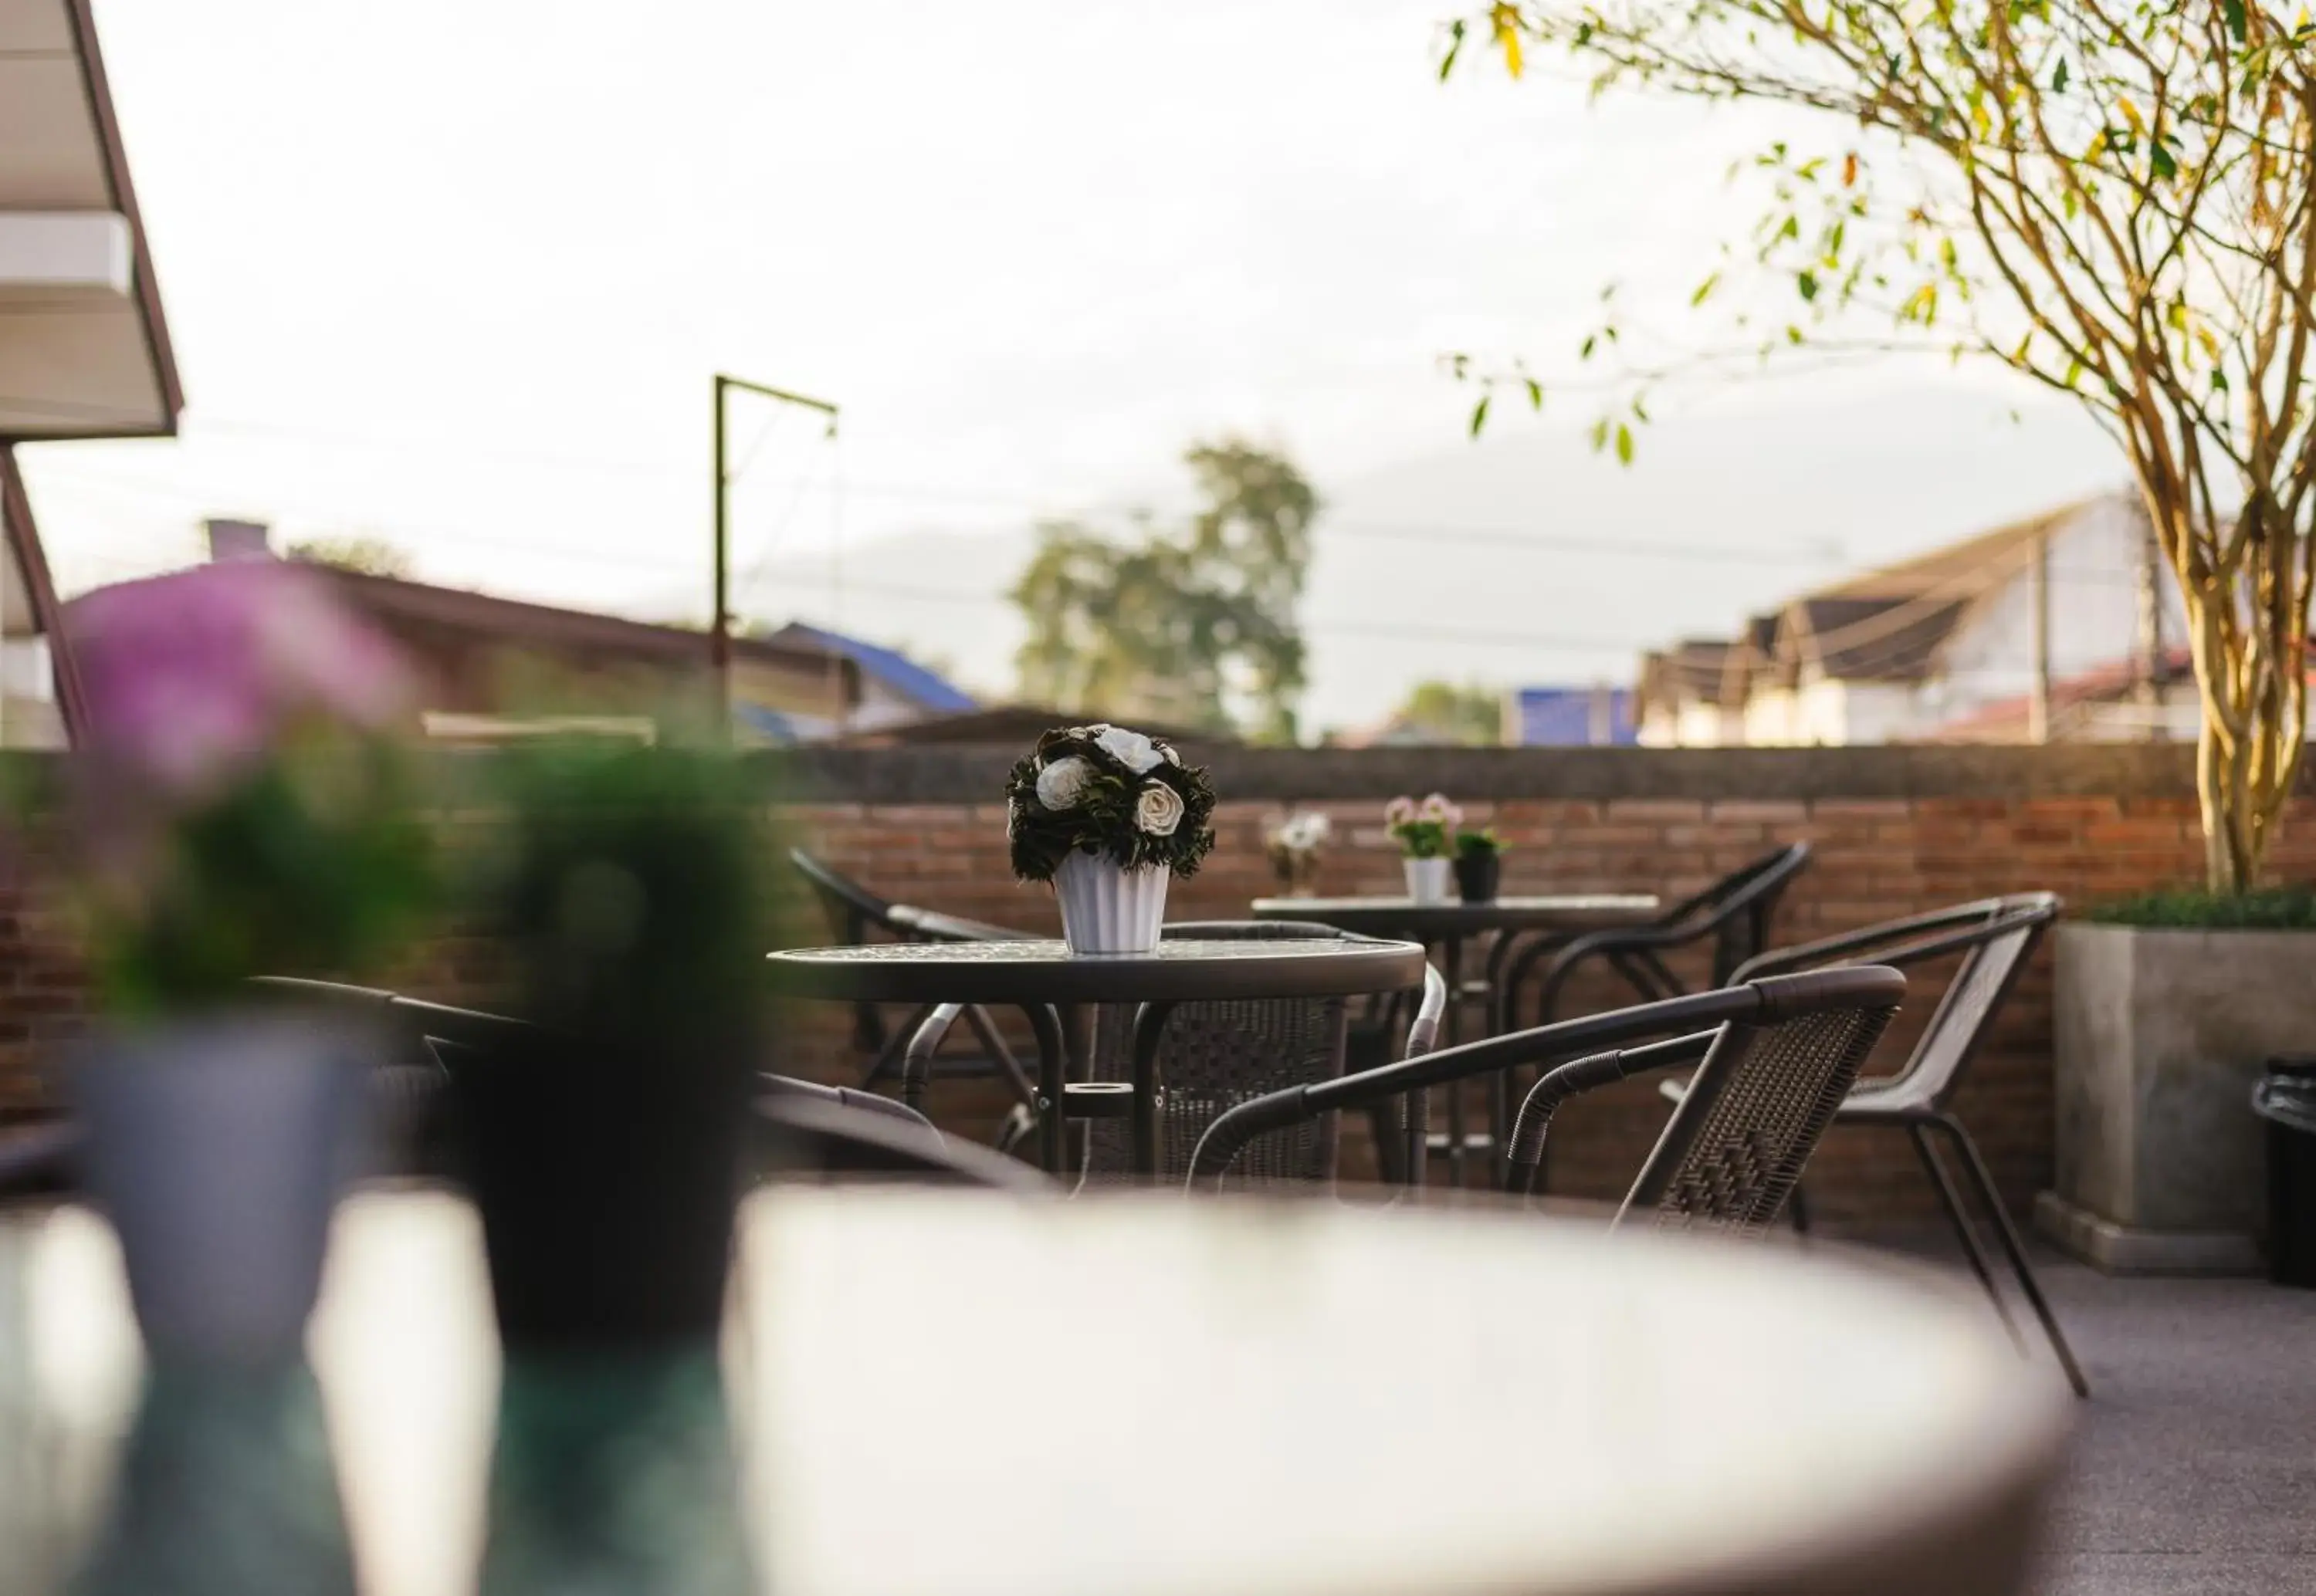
column 1446, row 926
column 1273, row 1406
column 1041, row 977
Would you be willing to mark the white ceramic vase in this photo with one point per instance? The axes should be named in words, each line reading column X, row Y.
column 1107, row 908
column 219, row 1149
column 1429, row 881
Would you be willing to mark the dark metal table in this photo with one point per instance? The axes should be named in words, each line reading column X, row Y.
column 1042, row 978
column 1448, row 926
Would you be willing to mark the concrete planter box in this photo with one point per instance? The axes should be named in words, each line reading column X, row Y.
column 2158, row 1037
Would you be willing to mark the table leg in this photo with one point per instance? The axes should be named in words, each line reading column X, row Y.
column 1053, row 1070
column 1149, row 1030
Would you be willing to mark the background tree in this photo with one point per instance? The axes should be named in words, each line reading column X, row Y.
column 1470, row 715
column 2114, row 199
column 1177, row 626
column 371, row 556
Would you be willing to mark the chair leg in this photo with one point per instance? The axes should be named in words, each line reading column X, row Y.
column 1959, row 1217
column 2009, row 1236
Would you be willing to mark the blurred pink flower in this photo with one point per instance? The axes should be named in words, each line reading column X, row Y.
column 189, row 676
column 1399, row 811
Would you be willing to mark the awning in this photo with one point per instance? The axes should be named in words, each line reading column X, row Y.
column 83, row 349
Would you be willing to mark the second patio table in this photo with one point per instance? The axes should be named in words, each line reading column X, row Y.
column 1040, row 977
column 1448, row 926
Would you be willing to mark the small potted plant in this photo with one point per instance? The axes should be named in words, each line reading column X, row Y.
column 1293, row 844
column 1479, row 865
column 631, row 891
column 1425, row 833
column 1109, row 817
column 241, row 808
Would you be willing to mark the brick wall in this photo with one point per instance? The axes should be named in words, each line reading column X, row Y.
column 1894, row 829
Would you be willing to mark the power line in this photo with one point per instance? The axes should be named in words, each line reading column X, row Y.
column 1489, row 536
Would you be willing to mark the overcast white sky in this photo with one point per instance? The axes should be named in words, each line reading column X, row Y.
column 458, row 273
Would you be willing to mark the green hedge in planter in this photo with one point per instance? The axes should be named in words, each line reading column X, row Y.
column 2193, row 908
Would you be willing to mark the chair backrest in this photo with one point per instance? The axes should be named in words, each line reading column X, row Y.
column 851, row 908
column 1754, row 1111
column 1995, row 938
column 1737, row 910
column 1217, row 1055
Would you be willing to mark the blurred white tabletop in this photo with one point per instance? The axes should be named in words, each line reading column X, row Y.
column 1140, row 1395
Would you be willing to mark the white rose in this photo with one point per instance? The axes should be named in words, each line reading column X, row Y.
column 1136, row 752
column 1157, row 808
column 1062, row 783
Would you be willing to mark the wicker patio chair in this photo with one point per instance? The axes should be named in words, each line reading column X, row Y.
column 1734, row 913
column 853, row 913
column 1995, row 937
column 1780, row 1054
column 1213, row 1055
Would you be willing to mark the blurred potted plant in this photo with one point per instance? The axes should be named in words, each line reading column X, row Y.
column 1479, row 865
column 1425, row 833
column 241, row 810
column 1293, row 844
column 631, row 891
column 1109, row 817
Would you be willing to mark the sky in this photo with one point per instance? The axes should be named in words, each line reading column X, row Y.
column 457, row 275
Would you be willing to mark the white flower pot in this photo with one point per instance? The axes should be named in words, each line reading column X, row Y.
column 1430, row 881
column 219, row 1148
column 1107, row 908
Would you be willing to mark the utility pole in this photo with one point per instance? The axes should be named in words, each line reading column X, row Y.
column 720, row 624
column 2038, row 703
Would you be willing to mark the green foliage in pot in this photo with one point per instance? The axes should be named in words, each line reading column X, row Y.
column 2197, row 909
column 1481, row 844
column 635, row 890
column 1104, row 789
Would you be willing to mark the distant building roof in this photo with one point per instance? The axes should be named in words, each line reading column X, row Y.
column 1573, row 717
column 896, row 671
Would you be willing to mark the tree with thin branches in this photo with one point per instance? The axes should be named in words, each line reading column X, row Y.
column 2115, row 199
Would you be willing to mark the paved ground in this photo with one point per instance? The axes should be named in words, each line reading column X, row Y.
column 2195, row 1471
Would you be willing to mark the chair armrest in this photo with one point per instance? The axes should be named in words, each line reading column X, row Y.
column 1423, row 1030
column 936, row 926
column 1545, row 1045
column 1415, row 1109
column 1525, row 1151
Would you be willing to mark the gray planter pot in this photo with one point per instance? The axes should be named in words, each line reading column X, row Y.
column 219, row 1149
column 2158, row 1037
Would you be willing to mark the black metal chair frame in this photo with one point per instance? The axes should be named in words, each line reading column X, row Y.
column 1687, row 1176
column 1996, row 936
column 1735, row 910
column 802, row 1125
column 1093, row 1099
column 852, row 910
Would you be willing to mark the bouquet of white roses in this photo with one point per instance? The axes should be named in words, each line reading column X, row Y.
column 1107, row 791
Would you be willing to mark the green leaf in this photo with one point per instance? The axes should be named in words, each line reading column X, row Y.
column 1455, row 49
column 1624, row 444
column 2059, row 78
column 1535, row 393
column 1479, row 415
column 2166, row 166
column 1705, row 289
column 1807, row 283
column 2233, row 9
column 1640, row 407
column 1591, row 343
column 1794, row 335
column 1600, row 435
